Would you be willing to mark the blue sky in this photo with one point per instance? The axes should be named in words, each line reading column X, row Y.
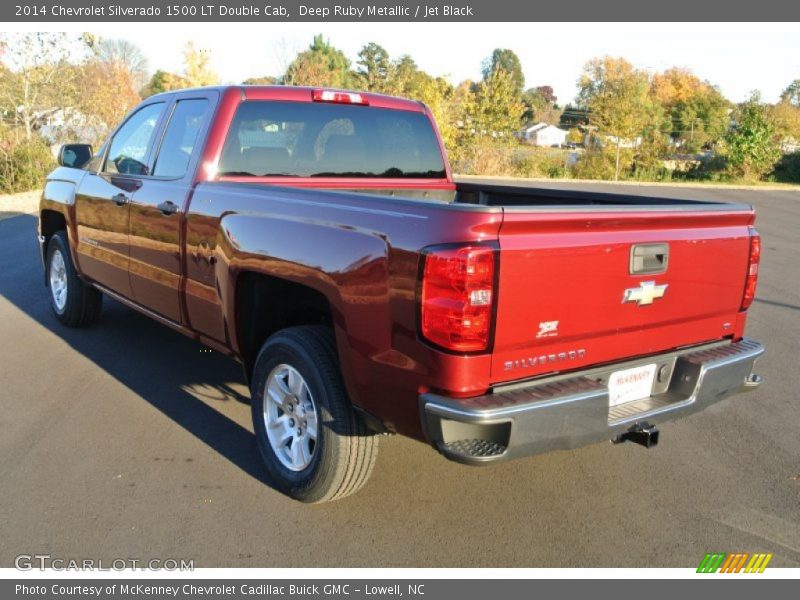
column 736, row 57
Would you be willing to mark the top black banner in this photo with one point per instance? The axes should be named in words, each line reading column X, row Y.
column 50, row 11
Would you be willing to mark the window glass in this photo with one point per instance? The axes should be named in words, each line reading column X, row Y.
column 129, row 147
column 179, row 140
column 329, row 140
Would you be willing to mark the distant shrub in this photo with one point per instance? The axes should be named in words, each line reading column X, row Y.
column 596, row 164
column 650, row 173
column 788, row 169
column 484, row 157
column 541, row 162
column 24, row 164
column 714, row 169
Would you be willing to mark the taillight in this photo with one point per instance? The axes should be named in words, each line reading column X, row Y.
column 457, row 297
column 752, row 270
column 337, row 97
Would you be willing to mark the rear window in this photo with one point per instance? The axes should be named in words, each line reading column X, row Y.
column 298, row 139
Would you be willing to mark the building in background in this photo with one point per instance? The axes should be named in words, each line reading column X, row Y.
column 545, row 135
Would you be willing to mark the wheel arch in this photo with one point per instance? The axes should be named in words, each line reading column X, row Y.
column 265, row 304
column 50, row 222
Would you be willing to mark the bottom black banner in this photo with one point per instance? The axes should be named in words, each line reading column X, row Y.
column 364, row 589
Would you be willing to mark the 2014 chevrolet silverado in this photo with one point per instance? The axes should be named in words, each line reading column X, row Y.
column 318, row 237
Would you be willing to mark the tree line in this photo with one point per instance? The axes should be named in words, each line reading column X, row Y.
column 623, row 123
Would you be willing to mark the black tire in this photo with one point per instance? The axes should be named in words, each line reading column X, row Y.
column 81, row 303
column 345, row 450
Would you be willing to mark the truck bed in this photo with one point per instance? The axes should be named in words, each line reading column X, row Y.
column 514, row 196
column 522, row 196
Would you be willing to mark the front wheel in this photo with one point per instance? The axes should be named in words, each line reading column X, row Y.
column 74, row 303
column 315, row 447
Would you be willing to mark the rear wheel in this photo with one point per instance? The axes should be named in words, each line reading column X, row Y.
column 74, row 303
column 315, row 447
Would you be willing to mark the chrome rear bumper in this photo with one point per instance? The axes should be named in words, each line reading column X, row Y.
column 572, row 410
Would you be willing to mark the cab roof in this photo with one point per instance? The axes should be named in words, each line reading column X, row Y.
column 292, row 93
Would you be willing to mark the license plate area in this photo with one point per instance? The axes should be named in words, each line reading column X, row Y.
column 630, row 385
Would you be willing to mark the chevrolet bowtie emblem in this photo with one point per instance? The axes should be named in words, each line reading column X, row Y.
column 645, row 293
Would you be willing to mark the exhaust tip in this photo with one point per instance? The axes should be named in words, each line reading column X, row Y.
column 752, row 381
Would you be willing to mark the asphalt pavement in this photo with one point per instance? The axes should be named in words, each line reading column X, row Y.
column 128, row 441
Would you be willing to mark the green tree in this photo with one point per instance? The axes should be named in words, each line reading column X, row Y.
column 264, row 80
column 497, row 109
column 505, row 60
column 752, row 146
column 164, row 81
column 374, row 68
column 620, row 106
column 404, row 77
column 321, row 65
column 455, row 124
column 792, row 93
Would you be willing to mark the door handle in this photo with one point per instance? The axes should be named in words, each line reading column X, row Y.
column 168, row 207
column 120, row 199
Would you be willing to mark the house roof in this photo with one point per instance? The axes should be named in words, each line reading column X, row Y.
column 542, row 127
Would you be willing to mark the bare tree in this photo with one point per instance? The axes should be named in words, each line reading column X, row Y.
column 39, row 76
column 126, row 55
column 284, row 55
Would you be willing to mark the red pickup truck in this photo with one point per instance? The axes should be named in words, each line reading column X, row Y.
column 318, row 237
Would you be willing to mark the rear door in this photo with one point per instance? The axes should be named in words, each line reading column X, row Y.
column 158, row 206
column 582, row 288
column 102, row 204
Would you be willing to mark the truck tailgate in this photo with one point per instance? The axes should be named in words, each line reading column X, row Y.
column 570, row 293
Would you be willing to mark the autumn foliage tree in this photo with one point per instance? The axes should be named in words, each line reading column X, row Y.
column 196, row 66
column 38, row 76
column 620, row 104
column 785, row 118
column 697, row 112
column 631, row 121
column 110, row 81
column 197, row 72
column 540, row 105
column 126, row 55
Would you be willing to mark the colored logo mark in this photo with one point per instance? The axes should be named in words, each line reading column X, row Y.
column 738, row 562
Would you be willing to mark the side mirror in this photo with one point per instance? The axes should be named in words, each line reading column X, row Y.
column 74, row 155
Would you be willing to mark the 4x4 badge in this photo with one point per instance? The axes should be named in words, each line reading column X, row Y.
column 645, row 293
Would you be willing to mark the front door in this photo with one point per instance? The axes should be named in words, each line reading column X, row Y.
column 157, row 210
column 102, row 202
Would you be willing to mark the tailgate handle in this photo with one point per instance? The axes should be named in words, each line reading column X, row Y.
column 649, row 259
